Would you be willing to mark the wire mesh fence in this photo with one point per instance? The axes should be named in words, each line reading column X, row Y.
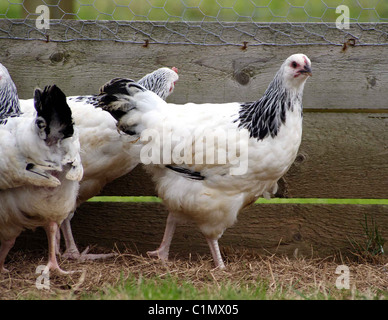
column 199, row 22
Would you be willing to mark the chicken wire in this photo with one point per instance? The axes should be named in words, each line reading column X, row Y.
column 199, row 22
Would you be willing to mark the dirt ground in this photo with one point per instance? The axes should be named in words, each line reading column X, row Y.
column 368, row 279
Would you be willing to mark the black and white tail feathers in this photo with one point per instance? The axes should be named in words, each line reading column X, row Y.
column 54, row 119
column 120, row 86
column 116, row 98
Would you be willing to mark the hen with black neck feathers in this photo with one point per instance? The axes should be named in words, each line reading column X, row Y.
column 210, row 194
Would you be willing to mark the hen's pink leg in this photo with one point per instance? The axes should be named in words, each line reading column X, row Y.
column 4, row 249
column 51, row 230
column 163, row 250
column 215, row 251
column 58, row 243
column 72, row 251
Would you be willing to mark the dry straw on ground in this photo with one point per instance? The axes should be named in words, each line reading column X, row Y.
column 284, row 277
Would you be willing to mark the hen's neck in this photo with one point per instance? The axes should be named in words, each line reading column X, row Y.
column 264, row 117
column 9, row 103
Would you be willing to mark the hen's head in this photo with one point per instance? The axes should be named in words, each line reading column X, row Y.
column 54, row 118
column 161, row 81
column 295, row 70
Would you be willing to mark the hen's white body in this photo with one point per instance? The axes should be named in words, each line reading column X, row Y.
column 39, row 172
column 28, row 207
column 106, row 153
column 214, row 202
column 210, row 194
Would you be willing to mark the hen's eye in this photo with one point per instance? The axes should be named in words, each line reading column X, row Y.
column 294, row 64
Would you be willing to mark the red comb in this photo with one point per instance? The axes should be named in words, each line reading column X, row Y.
column 175, row 69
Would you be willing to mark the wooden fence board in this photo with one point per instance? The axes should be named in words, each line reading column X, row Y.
column 343, row 154
column 317, row 230
column 355, row 78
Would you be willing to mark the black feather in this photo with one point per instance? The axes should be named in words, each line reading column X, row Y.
column 264, row 117
column 195, row 175
column 119, row 86
column 115, row 96
column 53, row 114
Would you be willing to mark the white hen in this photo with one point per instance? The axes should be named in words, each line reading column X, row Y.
column 40, row 153
column 18, row 172
column 106, row 154
column 211, row 194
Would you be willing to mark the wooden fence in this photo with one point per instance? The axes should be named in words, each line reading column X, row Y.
column 344, row 152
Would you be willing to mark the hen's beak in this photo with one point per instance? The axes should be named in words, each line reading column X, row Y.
column 306, row 70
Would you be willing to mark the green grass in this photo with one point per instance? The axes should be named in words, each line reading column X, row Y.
column 151, row 199
column 247, row 277
column 173, row 287
column 155, row 288
column 373, row 244
column 210, row 10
